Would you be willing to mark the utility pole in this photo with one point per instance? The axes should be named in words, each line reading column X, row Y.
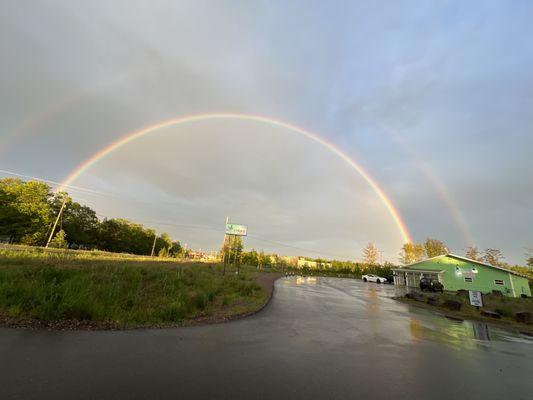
column 153, row 246
column 57, row 220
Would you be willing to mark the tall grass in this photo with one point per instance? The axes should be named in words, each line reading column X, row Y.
column 127, row 292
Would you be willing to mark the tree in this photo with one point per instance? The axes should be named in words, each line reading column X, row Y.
column 411, row 252
column 493, row 257
column 25, row 211
column 263, row 259
column 250, row 258
column 529, row 257
column 232, row 248
column 472, row 252
column 163, row 242
column 80, row 223
column 370, row 254
column 237, row 247
column 123, row 236
column 434, row 248
column 175, row 250
column 60, row 240
column 28, row 211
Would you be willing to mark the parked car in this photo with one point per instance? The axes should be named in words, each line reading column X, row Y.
column 374, row 278
column 431, row 285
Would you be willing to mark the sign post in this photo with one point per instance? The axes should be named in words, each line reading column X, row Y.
column 476, row 298
column 232, row 232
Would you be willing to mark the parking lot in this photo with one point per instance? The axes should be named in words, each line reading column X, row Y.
column 319, row 338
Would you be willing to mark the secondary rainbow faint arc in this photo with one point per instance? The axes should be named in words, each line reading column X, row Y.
column 242, row 117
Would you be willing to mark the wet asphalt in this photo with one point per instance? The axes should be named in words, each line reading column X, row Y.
column 319, row 338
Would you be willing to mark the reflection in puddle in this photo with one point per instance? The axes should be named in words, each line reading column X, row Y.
column 414, row 326
column 306, row 280
column 466, row 334
column 373, row 303
column 481, row 331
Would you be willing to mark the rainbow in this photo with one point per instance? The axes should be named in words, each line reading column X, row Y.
column 452, row 208
column 83, row 167
column 438, row 186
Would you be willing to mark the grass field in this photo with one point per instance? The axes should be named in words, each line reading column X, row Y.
column 119, row 291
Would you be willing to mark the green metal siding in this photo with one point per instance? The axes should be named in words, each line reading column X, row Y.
column 455, row 271
column 521, row 285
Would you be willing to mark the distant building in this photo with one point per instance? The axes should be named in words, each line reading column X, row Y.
column 198, row 255
column 456, row 272
column 292, row 261
column 303, row 263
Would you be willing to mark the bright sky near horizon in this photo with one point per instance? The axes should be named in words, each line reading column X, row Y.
column 432, row 99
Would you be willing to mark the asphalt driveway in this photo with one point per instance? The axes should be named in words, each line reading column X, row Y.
column 321, row 338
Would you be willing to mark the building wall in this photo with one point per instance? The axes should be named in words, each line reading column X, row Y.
column 521, row 285
column 483, row 277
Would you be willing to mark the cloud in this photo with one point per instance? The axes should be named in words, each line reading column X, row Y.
column 451, row 81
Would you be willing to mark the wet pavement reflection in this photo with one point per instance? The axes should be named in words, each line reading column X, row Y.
column 318, row 338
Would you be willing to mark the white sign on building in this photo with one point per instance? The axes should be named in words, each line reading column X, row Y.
column 475, row 298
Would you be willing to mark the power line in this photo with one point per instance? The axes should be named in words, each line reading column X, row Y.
column 54, row 183
column 219, row 230
column 186, row 226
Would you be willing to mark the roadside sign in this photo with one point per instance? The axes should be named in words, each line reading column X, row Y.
column 475, row 298
column 235, row 229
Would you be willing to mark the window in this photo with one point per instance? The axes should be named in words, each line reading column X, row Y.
column 498, row 282
column 468, row 279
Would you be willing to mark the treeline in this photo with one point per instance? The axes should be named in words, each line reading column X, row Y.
column 410, row 253
column 349, row 269
column 320, row 266
column 28, row 211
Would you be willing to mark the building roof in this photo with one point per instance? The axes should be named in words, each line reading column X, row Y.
column 463, row 259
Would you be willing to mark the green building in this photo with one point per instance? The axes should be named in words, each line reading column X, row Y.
column 456, row 272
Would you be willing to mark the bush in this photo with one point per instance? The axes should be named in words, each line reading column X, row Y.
column 199, row 300
column 504, row 312
column 452, row 305
column 248, row 289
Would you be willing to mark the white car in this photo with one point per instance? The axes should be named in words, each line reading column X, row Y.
column 374, row 278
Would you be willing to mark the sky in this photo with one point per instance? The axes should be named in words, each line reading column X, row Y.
column 433, row 99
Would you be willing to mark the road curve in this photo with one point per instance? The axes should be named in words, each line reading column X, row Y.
column 322, row 338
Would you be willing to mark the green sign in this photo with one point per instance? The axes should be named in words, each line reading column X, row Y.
column 235, row 229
